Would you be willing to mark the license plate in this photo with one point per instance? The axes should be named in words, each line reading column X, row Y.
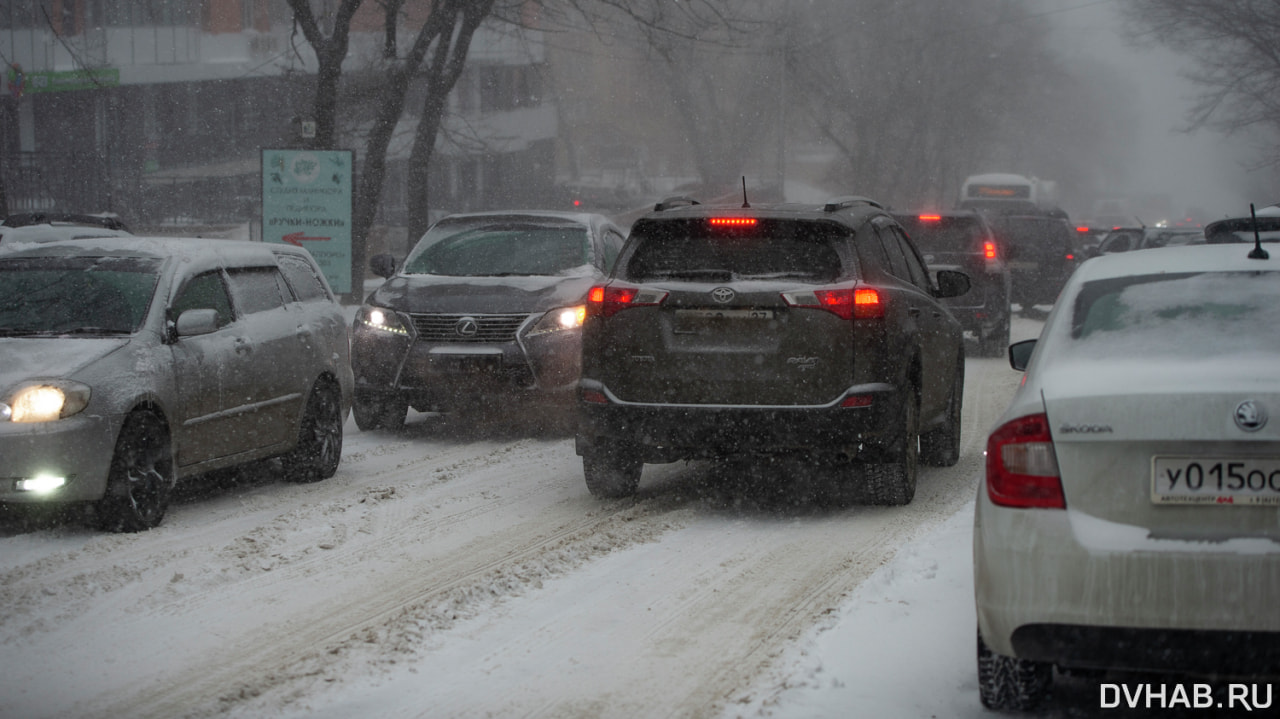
column 1023, row 265
column 466, row 364
column 692, row 322
column 1215, row 480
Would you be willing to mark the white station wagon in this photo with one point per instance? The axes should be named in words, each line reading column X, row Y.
column 129, row 364
column 1130, row 514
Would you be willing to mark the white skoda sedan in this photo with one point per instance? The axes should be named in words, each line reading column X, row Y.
column 1130, row 514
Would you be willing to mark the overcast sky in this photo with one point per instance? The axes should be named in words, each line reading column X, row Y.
column 1199, row 169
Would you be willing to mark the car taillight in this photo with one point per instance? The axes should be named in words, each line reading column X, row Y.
column 930, row 218
column 608, row 300
column 1022, row 469
column 850, row 303
column 989, row 250
column 732, row 222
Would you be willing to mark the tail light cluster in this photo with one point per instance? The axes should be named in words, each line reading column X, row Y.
column 608, row 300
column 850, row 303
column 1022, row 469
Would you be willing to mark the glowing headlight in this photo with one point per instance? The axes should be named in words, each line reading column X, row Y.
column 557, row 320
column 47, row 402
column 379, row 318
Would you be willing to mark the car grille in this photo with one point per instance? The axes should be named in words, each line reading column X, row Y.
column 490, row 328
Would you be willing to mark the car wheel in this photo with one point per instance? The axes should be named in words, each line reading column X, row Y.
column 940, row 447
column 1010, row 683
column 373, row 414
column 140, row 479
column 319, row 446
column 996, row 342
column 894, row 483
column 611, row 472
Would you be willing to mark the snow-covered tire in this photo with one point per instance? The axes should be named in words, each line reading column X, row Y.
column 319, row 447
column 1009, row 683
column 140, row 480
column 611, row 472
column 370, row 413
column 940, row 447
column 893, row 483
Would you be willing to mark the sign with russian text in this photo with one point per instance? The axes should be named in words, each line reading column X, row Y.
column 306, row 201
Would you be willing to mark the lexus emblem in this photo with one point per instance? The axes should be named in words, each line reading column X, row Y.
column 466, row 327
column 1250, row 416
column 723, row 295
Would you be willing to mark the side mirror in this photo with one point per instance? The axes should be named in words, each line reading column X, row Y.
column 1020, row 354
column 383, row 266
column 196, row 322
column 952, row 283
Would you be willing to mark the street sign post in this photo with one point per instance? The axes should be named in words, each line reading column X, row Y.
column 306, row 201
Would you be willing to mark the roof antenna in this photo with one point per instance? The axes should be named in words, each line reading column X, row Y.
column 1257, row 253
column 744, row 192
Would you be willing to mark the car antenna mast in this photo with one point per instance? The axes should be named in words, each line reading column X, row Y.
column 1257, row 253
column 745, row 204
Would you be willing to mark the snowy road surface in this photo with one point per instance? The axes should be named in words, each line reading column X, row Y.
column 459, row 568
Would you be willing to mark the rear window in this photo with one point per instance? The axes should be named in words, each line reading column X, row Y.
column 501, row 249
column 694, row 249
column 943, row 234
column 1188, row 315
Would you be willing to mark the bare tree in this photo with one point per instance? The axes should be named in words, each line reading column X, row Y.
column 1234, row 45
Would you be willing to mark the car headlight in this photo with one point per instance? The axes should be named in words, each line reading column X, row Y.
column 45, row 402
column 559, row 320
column 381, row 318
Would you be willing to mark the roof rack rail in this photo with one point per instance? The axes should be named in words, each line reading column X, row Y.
column 26, row 219
column 843, row 202
column 671, row 202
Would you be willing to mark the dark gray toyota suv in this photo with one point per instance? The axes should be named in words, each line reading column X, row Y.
column 812, row 330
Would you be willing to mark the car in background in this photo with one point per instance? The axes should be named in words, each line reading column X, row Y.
column 962, row 240
column 771, row 330
column 1265, row 221
column 1041, row 251
column 486, row 310
column 132, row 364
column 1147, row 238
column 1129, row 517
column 49, row 226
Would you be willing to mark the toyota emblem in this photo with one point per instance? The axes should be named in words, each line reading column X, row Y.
column 723, row 295
column 466, row 327
column 1250, row 416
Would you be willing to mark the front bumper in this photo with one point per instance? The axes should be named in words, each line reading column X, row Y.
column 78, row 448
column 1044, row 594
column 664, row 433
column 435, row 374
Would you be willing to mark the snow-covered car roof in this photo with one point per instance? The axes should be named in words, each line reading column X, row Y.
column 196, row 250
column 1192, row 258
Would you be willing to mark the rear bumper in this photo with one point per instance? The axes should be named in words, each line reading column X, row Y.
column 1042, row 594
column 664, row 433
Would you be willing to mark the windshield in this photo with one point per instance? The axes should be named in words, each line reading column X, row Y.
column 75, row 295
column 693, row 249
column 943, row 234
column 1179, row 315
column 500, row 250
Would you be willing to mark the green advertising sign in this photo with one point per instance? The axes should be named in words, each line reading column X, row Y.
column 64, row 81
column 306, row 201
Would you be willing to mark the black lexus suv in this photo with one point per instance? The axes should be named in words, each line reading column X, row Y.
column 780, row 329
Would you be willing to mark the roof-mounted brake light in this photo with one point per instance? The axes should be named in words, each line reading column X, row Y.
column 732, row 221
column 930, row 218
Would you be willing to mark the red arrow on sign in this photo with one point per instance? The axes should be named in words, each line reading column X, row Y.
column 297, row 238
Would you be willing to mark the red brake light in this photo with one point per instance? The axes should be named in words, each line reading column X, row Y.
column 847, row 303
column 732, row 221
column 930, row 218
column 1022, row 469
column 989, row 250
column 1082, row 229
column 607, row 300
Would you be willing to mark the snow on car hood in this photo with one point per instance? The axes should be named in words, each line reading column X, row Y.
column 51, row 357
column 489, row 295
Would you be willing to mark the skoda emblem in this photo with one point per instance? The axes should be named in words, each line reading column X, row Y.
column 466, row 327
column 723, row 295
column 1250, row 416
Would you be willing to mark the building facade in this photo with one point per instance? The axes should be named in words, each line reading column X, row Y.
column 157, row 110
